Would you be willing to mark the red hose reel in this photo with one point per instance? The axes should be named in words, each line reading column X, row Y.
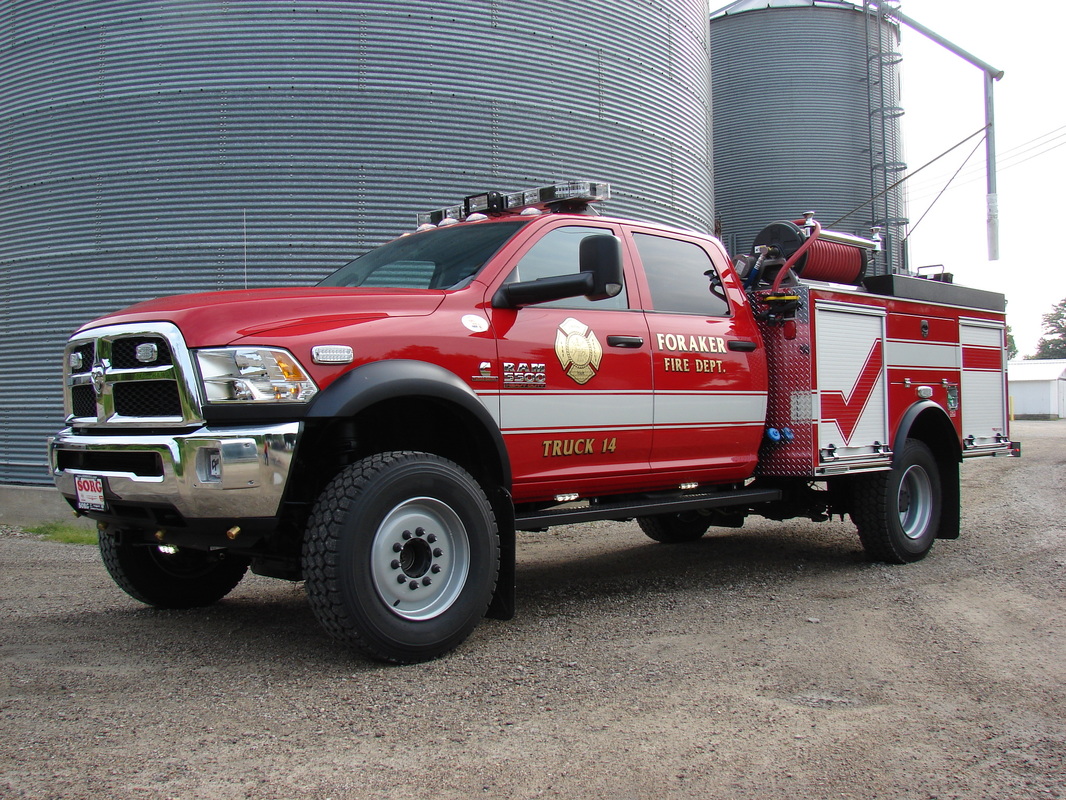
column 834, row 262
column 814, row 254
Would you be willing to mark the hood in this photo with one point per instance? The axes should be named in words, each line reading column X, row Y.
column 217, row 318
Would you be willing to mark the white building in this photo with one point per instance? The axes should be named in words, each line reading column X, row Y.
column 1037, row 388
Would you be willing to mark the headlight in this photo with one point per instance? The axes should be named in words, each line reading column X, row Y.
column 253, row 375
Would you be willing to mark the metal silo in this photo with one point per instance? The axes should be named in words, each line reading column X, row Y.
column 806, row 117
column 155, row 148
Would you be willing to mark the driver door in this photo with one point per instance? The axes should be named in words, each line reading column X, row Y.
column 575, row 401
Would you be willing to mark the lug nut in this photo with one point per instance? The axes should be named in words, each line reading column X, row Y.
column 435, row 569
column 437, row 552
column 397, row 547
column 426, row 581
column 413, row 585
column 401, row 579
column 420, row 531
column 395, row 564
column 431, row 538
column 406, row 534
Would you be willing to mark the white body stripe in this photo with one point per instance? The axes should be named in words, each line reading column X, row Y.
column 582, row 410
column 542, row 411
column 922, row 355
column 709, row 408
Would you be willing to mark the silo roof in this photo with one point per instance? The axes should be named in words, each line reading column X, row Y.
column 740, row 6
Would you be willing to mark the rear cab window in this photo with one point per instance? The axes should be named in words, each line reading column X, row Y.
column 681, row 276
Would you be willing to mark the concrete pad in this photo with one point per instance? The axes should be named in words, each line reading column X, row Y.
column 27, row 506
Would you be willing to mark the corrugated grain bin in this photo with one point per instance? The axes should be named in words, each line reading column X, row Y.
column 806, row 117
column 158, row 148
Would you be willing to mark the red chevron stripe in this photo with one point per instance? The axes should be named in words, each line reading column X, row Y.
column 846, row 411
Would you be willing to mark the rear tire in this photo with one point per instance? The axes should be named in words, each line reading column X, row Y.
column 898, row 512
column 686, row 526
column 170, row 577
column 401, row 556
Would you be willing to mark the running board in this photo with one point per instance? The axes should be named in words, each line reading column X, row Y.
column 623, row 510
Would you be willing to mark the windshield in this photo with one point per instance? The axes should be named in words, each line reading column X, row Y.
column 445, row 258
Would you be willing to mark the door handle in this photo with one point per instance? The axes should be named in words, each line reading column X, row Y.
column 625, row 341
column 741, row 345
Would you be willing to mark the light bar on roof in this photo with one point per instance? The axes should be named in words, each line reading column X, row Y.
column 571, row 192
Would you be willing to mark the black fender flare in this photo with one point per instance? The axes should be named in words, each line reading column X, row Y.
column 380, row 381
column 929, row 422
column 910, row 417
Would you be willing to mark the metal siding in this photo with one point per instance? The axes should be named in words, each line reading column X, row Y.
column 1037, row 399
column 146, row 147
column 791, row 124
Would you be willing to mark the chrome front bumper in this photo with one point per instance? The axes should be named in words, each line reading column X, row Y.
column 208, row 473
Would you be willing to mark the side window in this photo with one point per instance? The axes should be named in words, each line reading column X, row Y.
column 681, row 276
column 557, row 254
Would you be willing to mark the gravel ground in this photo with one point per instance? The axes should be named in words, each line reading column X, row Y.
column 769, row 662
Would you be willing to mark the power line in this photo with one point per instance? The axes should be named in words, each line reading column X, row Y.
column 907, row 177
column 1013, row 152
column 1005, row 160
column 976, row 172
column 974, row 175
column 1029, row 144
column 948, row 184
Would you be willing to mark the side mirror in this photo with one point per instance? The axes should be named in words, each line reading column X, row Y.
column 600, row 261
column 601, row 258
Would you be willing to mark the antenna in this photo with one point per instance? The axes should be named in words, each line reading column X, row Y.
column 245, row 213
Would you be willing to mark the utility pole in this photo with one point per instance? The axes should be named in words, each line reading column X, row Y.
column 990, row 74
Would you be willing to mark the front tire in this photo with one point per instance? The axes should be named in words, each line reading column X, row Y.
column 170, row 577
column 898, row 512
column 401, row 556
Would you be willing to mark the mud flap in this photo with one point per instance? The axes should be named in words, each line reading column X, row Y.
column 502, row 605
column 950, row 500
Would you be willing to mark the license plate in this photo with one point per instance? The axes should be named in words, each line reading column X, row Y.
column 90, row 489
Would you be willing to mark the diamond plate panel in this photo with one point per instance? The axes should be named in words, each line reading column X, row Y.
column 790, row 361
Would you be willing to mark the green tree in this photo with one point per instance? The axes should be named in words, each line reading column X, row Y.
column 1012, row 348
column 1053, row 343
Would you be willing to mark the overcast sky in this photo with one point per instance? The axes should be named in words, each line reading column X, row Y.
column 944, row 101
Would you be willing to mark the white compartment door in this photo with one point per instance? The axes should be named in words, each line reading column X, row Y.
column 984, row 388
column 851, row 393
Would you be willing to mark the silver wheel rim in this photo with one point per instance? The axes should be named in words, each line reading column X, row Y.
column 915, row 502
column 420, row 558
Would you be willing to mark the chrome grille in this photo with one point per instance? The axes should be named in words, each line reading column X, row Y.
column 124, row 352
column 83, row 401
column 137, row 375
column 82, row 356
column 147, row 399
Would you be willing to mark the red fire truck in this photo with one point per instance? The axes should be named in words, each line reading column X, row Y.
column 520, row 362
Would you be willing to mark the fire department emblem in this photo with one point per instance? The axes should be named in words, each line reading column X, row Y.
column 578, row 350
